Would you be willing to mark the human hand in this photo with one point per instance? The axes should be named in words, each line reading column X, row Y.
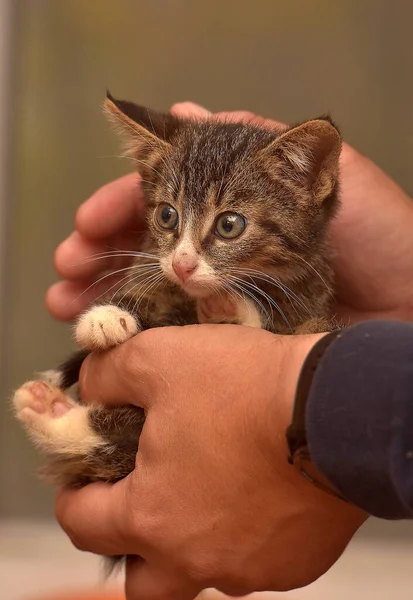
column 107, row 229
column 212, row 501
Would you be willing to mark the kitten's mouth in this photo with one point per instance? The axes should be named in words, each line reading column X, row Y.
column 196, row 285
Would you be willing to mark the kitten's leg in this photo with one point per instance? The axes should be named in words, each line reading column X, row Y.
column 223, row 309
column 55, row 422
column 105, row 326
column 83, row 443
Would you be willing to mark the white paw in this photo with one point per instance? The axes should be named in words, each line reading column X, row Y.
column 54, row 421
column 103, row 327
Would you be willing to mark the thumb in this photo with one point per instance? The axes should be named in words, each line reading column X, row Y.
column 113, row 377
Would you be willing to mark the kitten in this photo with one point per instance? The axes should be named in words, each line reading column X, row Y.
column 237, row 232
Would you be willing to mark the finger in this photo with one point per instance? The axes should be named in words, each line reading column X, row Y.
column 143, row 580
column 111, row 377
column 81, row 258
column 96, row 518
column 65, row 300
column 243, row 116
column 116, row 206
column 189, row 110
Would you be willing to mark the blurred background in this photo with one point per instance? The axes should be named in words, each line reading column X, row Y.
column 289, row 60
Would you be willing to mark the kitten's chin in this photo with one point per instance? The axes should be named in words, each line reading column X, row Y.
column 197, row 290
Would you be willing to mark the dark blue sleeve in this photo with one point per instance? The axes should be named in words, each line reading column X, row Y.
column 360, row 417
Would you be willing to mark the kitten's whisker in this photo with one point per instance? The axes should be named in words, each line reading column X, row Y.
column 273, row 281
column 134, row 252
column 148, row 276
column 270, row 301
column 152, row 289
column 330, row 292
column 252, row 286
column 127, row 277
column 245, row 282
column 149, row 284
column 255, row 300
column 236, row 294
column 146, row 282
column 277, row 283
column 89, row 260
column 239, row 283
column 130, row 290
column 130, row 280
column 233, row 293
column 268, row 298
column 101, row 279
column 115, row 254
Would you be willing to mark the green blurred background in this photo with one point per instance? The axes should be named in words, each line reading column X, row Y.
column 285, row 59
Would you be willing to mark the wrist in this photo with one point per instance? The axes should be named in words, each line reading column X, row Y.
column 297, row 434
column 291, row 369
column 289, row 354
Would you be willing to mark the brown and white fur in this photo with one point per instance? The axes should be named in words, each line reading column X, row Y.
column 237, row 231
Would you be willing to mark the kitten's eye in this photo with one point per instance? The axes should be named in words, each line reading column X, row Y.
column 166, row 216
column 230, row 225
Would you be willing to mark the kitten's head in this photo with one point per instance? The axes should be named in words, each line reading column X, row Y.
column 228, row 200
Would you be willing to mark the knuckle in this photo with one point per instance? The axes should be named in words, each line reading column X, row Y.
column 144, row 527
column 222, row 570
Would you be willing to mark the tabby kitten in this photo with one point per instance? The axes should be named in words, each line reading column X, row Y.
column 237, row 232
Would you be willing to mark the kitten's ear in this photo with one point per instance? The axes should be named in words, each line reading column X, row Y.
column 144, row 130
column 308, row 154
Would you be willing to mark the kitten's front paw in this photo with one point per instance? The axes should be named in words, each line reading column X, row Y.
column 54, row 421
column 103, row 327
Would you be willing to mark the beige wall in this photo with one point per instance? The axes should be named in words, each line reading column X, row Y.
column 290, row 60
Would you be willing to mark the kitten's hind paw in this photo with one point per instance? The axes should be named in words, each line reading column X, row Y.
column 53, row 420
column 103, row 327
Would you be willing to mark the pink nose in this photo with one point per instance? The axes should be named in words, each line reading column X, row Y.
column 184, row 269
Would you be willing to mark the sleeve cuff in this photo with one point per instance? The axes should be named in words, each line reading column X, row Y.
column 359, row 417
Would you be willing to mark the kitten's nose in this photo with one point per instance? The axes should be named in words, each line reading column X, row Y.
column 184, row 267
